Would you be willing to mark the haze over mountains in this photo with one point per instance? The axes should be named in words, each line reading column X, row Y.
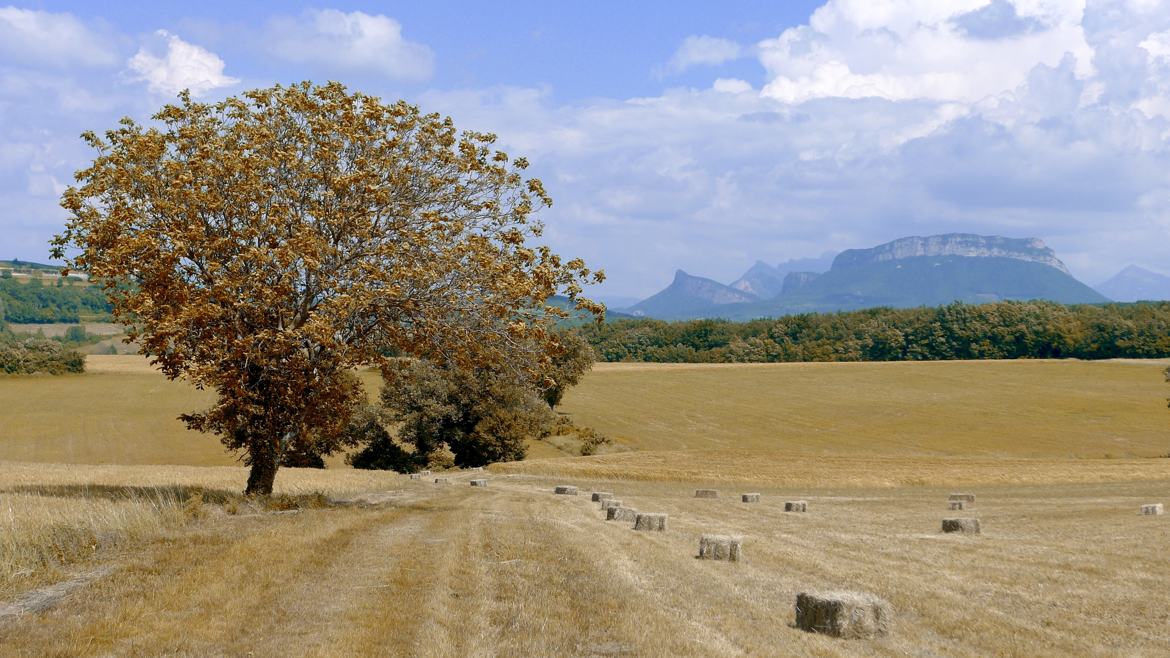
column 1134, row 284
column 907, row 272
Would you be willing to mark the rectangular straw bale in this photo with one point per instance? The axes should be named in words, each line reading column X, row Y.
column 957, row 505
column 416, row 476
column 965, row 497
column 599, row 496
column 1152, row 509
column 721, row 547
column 796, row 506
column 610, row 502
column 848, row 615
column 479, row 483
column 650, row 522
column 750, row 497
column 566, row 490
column 968, row 526
column 706, row 493
column 621, row 514
column 441, row 481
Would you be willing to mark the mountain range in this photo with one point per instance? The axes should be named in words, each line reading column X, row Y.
column 907, row 272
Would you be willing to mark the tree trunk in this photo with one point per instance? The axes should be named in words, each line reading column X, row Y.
column 263, row 473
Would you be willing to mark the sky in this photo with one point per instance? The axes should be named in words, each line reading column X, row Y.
column 699, row 136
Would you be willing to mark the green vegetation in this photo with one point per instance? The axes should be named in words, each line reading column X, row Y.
column 35, row 302
column 475, row 415
column 29, row 355
column 1004, row 330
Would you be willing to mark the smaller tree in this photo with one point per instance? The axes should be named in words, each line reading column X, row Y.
column 450, row 416
column 571, row 359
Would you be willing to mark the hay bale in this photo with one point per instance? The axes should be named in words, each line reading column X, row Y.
column 848, row 615
column 650, row 522
column 957, row 505
column 621, row 514
column 416, row 476
column 721, row 547
column 750, row 497
column 599, row 496
column 479, row 483
column 965, row 497
column 610, row 502
column 796, row 506
column 441, row 481
column 565, row 490
column 1152, row 509
column 425, row 473
column 967, row 526
column 706, row 493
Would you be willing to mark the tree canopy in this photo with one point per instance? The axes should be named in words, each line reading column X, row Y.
column 275, row 240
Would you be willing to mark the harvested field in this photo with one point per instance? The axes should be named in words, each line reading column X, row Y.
column 509, row 571
column 513, row 570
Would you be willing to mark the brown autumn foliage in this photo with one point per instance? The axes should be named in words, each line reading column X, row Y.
column 265, row 245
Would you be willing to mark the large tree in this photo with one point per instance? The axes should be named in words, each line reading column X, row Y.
column 265, row 245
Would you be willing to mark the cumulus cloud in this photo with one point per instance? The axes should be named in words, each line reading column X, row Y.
column 703, row 51
column 1066, row 143
column 182, row 66
column 352, row 42
column 963, row 50
column 41, row 38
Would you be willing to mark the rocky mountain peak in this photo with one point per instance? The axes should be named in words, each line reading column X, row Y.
column 952, row 244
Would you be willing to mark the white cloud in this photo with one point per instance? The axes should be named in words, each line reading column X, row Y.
column 41, row 38
column 731, row 85
column 904, row 49
column 353, row 41
column 183, row 66
column 703, row 51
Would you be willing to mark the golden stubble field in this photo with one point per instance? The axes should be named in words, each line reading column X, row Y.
column 165, row 558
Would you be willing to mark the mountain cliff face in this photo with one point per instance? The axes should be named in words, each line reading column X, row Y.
column 952, row 244
column 1136, row 284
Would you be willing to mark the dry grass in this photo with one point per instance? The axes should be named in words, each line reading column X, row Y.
column 55, row 515
column 1041, row 409
column 968, row 408
column 512, row 570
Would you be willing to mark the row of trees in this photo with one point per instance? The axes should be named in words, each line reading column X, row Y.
column 1004, row 330
column 34, row 302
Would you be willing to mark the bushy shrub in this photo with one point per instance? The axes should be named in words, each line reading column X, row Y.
column 477, row 416
column 20, row 356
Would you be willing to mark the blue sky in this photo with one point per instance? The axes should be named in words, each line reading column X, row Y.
column 702, row 136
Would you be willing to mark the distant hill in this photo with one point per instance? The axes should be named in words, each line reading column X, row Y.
column 908, row 272
column 687, row 296
column 24, row 265
column 1134, row 284
column 936, row 280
